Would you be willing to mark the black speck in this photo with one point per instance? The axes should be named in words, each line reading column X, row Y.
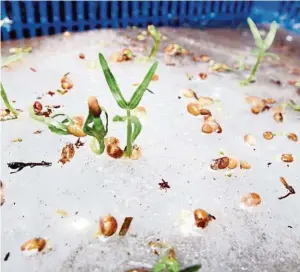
column 6, row 256
column 179, row 97
column 288, row 165
column 269, row 163
column 290, row 227
column 76, row 213
column 254, row 149
column 14, row 203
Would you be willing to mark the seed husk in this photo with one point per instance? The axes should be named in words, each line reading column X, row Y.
column 251, row 200
column 66, row 83
column 233, row 163
column 94, row 106
column 114, row 151
column 136, row 152
column 111, row 140
column 4, row 113
column 244, row 165
column 81, row 56
column 188, row 93
column 108, row 225
column 35, row 243
column 206, row 128
column 270, row 101
column 202, row 218
column 194, row 109
column 140, row 111
column 287, row 158
column 203, row 76
column 155, row 77
column 205, row 101
column 2, row 193
column 67, row 153
column 268, row 135
column 293, row 137
column 37, row 106
column 256, row 110
column 125, row 226
column 250, row 140
column 219, row 128
column 278, row 117
column 255, row 101
column 220, row 163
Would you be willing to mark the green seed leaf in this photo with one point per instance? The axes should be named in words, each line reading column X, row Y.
column 275, row 56
column 294, row 106
column 138, row 94
column 193, row 268
column 119, row 118
column 6, row 101
column 57, row 130
column 97, row 146
column 137, row 128
column 255, row 33
column 13, row 58
column 271, row 36
column 111, row 81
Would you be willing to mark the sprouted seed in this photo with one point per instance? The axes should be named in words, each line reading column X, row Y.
column 261, row 47
column 7, row 103
column 287, row 158
column 156, row 40
column 202, row 218
column 134, row 126
column 290, row 189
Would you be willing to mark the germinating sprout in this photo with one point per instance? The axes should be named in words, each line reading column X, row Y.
column 7, row 103
column 19, row 54
column 261, row 47
column 134, row 125
column 156, row 40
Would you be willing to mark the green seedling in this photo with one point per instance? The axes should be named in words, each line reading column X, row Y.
column 94, row 126
column 261, row 47
column 169, row 263
column 156, row 40
column 6, row 102
column 294, row 106
column 134, row 126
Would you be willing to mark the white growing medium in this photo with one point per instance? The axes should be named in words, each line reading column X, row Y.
column 173, row 149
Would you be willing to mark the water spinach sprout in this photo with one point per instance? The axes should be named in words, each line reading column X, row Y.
column 156, row 40
column 6, row 102
column 261, row 47
column 134, row 126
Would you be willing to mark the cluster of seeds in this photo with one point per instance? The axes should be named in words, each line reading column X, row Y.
column 228, row 162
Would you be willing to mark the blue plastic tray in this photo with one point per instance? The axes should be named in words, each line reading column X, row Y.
column 37, row 18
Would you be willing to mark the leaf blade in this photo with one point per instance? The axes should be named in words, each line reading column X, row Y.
column 271, row 36
column 255, row 32
column 138, row 94
column 136, row 129
column 111, row 82
column 119, row 118
column 6, row 101
column 57, row 130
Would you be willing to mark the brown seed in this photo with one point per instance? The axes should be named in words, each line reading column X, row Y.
column 81, row 56
column 111, row 140
column 244, row 165
column 250, row 140
column 268, row 135
column 270, row 101
column 278, row 117
column 194, row 109
column 35, row 243
column 4, row 113
column 251, row 200
column 206, row 128
column 287, row 158
column 202, row 218
column 108, row 225
column 205, row 58
column 94, row 106
column 37, row 106
column 66, row 83
column 203, row 76
column 220, row 163
column 155, row 77
column 232, row 163
column 136, row 152
column 114, row 151
column 293, row 137
column 205, row 112
column 256, row 110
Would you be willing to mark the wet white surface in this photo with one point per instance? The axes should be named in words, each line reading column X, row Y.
column 174, row 149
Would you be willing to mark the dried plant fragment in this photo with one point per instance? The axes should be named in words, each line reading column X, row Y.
column 290, row 189
column 125, row 226
column 114, row 151
column 78, row 143
column 51, row 93
column 204, row 58
column 111, row 140
column 244, row 165
column 136, row 152
column 17, row 140
column 251, row 200
column 175, row 49
column 108, row 225
column 155, row 77
column 67, row 153
column 81, row 56
column 164, row 185
column 38, row 132
column 268, row 135
column 287, row 158
column 278, row 117
column 220, row 163
column 34, row 244
column 202, row 218
column 125, row 55
column 293, row 137
column 2, row 199
column 250, row 140
column 61, row 212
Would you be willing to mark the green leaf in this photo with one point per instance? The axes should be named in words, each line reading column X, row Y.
column 275, row 56
column 6, row 101
column 137, row 128
column 294, row 106
column 111, row 82
column 57, row 130
column 12, row 58
column 86, row 128
column 255, row 33
column 193, row 268
column 138, row 94
column 119, row 118
column 271, row 36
